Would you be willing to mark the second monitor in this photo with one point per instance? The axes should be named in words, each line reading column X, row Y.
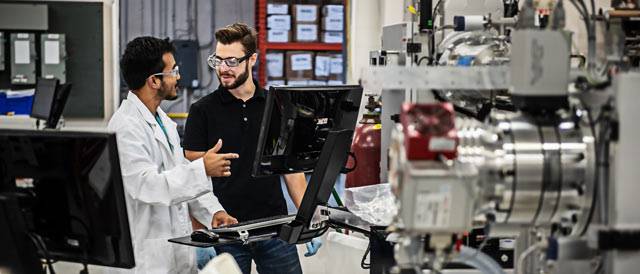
column 296, row 124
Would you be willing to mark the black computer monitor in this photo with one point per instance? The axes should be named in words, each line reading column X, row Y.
column 61, row 194
column 307, row 129
column 44, row 98
column 296, row 123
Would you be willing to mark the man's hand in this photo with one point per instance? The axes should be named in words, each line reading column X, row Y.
column 222, row 218
column 218, row 165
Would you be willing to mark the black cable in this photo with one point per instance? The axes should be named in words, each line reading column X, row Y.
column 364, row 257
column 43, row 248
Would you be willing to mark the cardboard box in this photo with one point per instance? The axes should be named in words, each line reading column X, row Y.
column 336, row 11
column 332, row 37
column 322, row 66
column 298, row 83
column 278, row 36
column 336, row 65
column 280, row 22
column 277, row 8
column 306, row 33
column 299, row 65
column 275, row 64
column 333, row 24
column 305, row 13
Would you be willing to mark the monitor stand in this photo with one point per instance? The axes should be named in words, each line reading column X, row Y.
column 333, row 158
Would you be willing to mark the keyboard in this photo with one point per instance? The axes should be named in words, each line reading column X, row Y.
column 255, row 224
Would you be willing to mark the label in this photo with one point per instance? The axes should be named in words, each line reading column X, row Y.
column 333, row 11
column 306, row 32
column 279, row 22
column 306, row 13
column 275, row 64
column 322, row 65
column 441, row 144
column 432, row 209
column 332, row 37
column 332, row 23
column 22, row 36
column 377, row 126
column 22, row 53
column 336, row 65
column 301, row 62
column 51, row 52
column 278, row 36
column 277, row 9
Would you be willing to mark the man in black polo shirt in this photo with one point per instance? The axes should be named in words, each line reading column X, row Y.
column 231, row 115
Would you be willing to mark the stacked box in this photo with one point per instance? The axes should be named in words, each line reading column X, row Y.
column 332, row 24
column 306, row 18
column 336, row 68
column 299, row 65
column 322, row 66
column 275, row 65
column 278, row 23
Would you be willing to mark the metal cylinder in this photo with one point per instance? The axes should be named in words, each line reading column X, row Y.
column 531, row 172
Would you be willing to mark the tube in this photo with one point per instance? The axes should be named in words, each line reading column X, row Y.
column 479, row 260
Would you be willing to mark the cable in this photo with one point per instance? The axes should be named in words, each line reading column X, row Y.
column 37, row 240
column 526, row 253
column 363, row 264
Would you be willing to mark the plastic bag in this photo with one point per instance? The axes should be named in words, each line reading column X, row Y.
column 374, row 204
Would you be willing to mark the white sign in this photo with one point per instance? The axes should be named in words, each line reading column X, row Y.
column 332, row 37
column 306, row 32
column 22, row 52
column 277, row 9
column 280, row 22
column 301, row 61
column 278, row 36
column 275, row 64
column 306, row 13
column 336, row 65
column 322, row 65
column 51, row 52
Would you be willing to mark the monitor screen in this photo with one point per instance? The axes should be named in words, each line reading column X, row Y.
column 296, row 122
column 72, row 193
column 43, row 98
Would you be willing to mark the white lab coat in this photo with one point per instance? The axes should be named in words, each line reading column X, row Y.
column 159, row 184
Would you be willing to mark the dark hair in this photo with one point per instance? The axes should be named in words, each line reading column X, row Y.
column 143, row 57
column 238, row 32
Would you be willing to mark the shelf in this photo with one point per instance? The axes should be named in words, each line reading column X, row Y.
column 304, row 46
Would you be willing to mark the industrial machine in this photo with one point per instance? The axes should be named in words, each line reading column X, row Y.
column 521, row 143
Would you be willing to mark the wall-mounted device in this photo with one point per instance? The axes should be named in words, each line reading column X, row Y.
column 23, row 59
column 54, row 55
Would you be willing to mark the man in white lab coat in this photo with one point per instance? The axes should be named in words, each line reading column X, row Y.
column 162, row 188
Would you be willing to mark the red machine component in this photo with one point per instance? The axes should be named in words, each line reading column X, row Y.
column 366, row 147
column 429, row 131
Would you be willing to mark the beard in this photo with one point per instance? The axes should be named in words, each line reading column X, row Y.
column 240, row 79
column 165, row 92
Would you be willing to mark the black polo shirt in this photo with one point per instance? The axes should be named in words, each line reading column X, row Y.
column 220, row 115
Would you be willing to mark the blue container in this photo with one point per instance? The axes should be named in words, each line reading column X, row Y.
column 18, row 105
column 3, row 103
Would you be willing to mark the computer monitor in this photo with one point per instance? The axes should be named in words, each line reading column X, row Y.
column 307, row 129
column 62, row 193
column 44, row 98
column 296, row 123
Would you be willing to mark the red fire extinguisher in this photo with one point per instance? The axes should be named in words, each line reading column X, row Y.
column 366, row 148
